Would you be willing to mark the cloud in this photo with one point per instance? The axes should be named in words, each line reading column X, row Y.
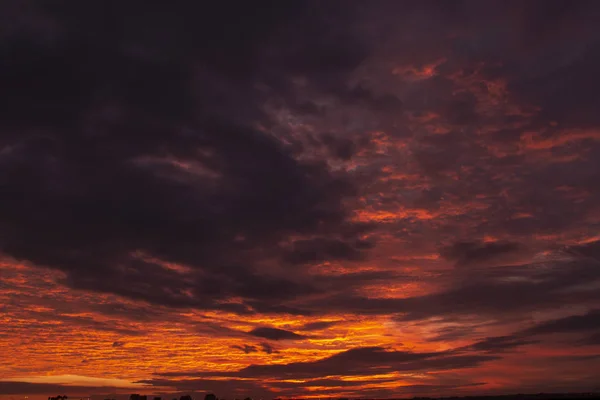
column 275, row 334
column 318, row 250
column 267, row 348
column 20, row 388
column 590, row 250
column 318, row 325
column 364, row 361
column 592, row 340
column 580, row 324
column 246, row 348
column 466, row 253
column 82, row 321
column 263, row 347
column 302, row 176
column 487, row 292
column 156, row 163
column 501, row 344
column 571, row 324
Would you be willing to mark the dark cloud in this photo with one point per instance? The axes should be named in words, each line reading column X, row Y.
column 365, row 97
column 357, row 361
column 267, row 348
column 589, row 250
column 132, row 312
column 340, row 147
column 246, row 348
column 118, row 344
column 138, row 138
column 127, row 125
column 364, row 361
column 209, row 328
column 452, row 333
column 466, row 253
column 575, row 358
column 501, row 344
column 571, row 72
column 319, row 250
column 572, row 324
column 318, row 325
column 592, row 340
column 575, row 324
column 27, row 388
column 275, row 334
column 499, row 292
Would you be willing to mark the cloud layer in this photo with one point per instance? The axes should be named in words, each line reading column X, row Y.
column 300, row 198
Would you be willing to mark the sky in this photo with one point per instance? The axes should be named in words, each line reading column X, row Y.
column 299, row 198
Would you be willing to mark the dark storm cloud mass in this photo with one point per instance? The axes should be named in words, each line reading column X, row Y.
column 131, row 130
column 130, row 139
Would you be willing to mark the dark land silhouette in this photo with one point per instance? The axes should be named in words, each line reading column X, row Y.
column 519, row 396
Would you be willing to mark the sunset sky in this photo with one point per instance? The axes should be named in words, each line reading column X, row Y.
column 299, row 198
